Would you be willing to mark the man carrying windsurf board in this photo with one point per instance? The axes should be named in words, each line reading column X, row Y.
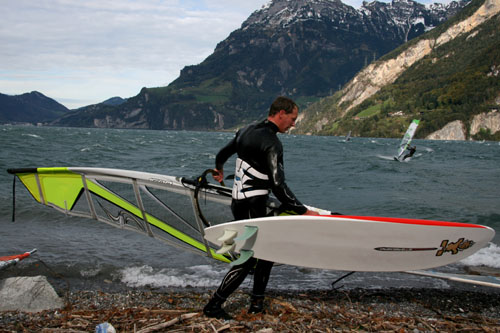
column 259, row 171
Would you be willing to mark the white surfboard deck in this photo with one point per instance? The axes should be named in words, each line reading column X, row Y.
column 356, row 243
column 483, row 280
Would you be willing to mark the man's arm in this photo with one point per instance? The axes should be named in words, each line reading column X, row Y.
column 279, row 187
column 221, row 158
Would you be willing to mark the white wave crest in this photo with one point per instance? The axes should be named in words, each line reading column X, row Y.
column 196, row 276
column 32, row 135
column 487, row 256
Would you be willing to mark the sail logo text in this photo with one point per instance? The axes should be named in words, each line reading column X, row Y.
column 162, row 181
column 454, row 247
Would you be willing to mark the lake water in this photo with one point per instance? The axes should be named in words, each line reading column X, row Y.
column 445, row 180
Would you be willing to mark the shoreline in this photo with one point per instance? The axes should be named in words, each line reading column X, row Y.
column 394, row 309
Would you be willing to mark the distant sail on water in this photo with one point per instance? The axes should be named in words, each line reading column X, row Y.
column 405, row 142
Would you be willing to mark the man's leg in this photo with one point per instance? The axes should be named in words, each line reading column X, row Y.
column 261, row 278
column 263, row 268
column 229, row 284
column 242, row 209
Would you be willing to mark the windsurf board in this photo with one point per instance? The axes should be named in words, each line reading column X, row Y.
column 7, row 261
column 352, row 243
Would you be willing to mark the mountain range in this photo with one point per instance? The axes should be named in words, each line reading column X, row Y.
column 30, row 107
column 308, row 50
column 304, row 49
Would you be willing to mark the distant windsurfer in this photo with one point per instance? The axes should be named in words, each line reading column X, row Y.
column 259, row 170
column 411, row 151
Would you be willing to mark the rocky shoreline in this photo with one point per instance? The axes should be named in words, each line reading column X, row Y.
column 366, row 310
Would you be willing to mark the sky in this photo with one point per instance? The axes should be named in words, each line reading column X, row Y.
column 86, row 51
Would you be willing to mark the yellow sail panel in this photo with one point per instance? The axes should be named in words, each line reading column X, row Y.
column 58, row 186
column 29, row 181
column 61, row 189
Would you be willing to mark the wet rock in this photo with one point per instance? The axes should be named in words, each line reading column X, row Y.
column 28, row 294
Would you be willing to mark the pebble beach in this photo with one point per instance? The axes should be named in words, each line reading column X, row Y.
column 362, row 310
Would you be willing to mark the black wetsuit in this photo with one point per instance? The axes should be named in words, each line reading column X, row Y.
column 259, row 146
column 411, row 151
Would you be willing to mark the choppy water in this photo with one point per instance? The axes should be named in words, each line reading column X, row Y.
column 451, row 181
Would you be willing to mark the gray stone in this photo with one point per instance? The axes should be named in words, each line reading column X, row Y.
column 28, row 294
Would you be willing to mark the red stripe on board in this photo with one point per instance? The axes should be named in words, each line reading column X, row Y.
column 410, row 221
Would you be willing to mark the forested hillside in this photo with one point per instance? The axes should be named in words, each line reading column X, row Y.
column 456, row 80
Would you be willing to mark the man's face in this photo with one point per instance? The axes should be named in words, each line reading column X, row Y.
column 287, row 120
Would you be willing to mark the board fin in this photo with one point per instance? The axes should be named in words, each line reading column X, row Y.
column 228, row 236
column 244, row 256
column 227, row 240
column 250, row 231
column 225, row 248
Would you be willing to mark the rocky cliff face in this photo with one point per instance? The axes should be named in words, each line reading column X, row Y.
column 489, row 121
column 452, row 131
column 456, row 130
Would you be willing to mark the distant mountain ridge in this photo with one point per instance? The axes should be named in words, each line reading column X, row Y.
column 30, row 107
column 115, row 101
column 303, row 49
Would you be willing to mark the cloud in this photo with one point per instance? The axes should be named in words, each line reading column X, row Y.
column 104, row 34
column 93, row 50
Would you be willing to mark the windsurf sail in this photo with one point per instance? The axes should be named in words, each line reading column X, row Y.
column 137, row 201
column 348, row 136
column 7, row 261
column 405, row 142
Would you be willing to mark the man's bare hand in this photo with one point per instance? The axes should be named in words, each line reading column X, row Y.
column 219, row 175
column 311, row 212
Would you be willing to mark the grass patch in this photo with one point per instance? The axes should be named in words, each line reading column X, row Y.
column 369, row 112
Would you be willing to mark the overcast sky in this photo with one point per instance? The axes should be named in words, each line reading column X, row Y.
column 82, row 52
